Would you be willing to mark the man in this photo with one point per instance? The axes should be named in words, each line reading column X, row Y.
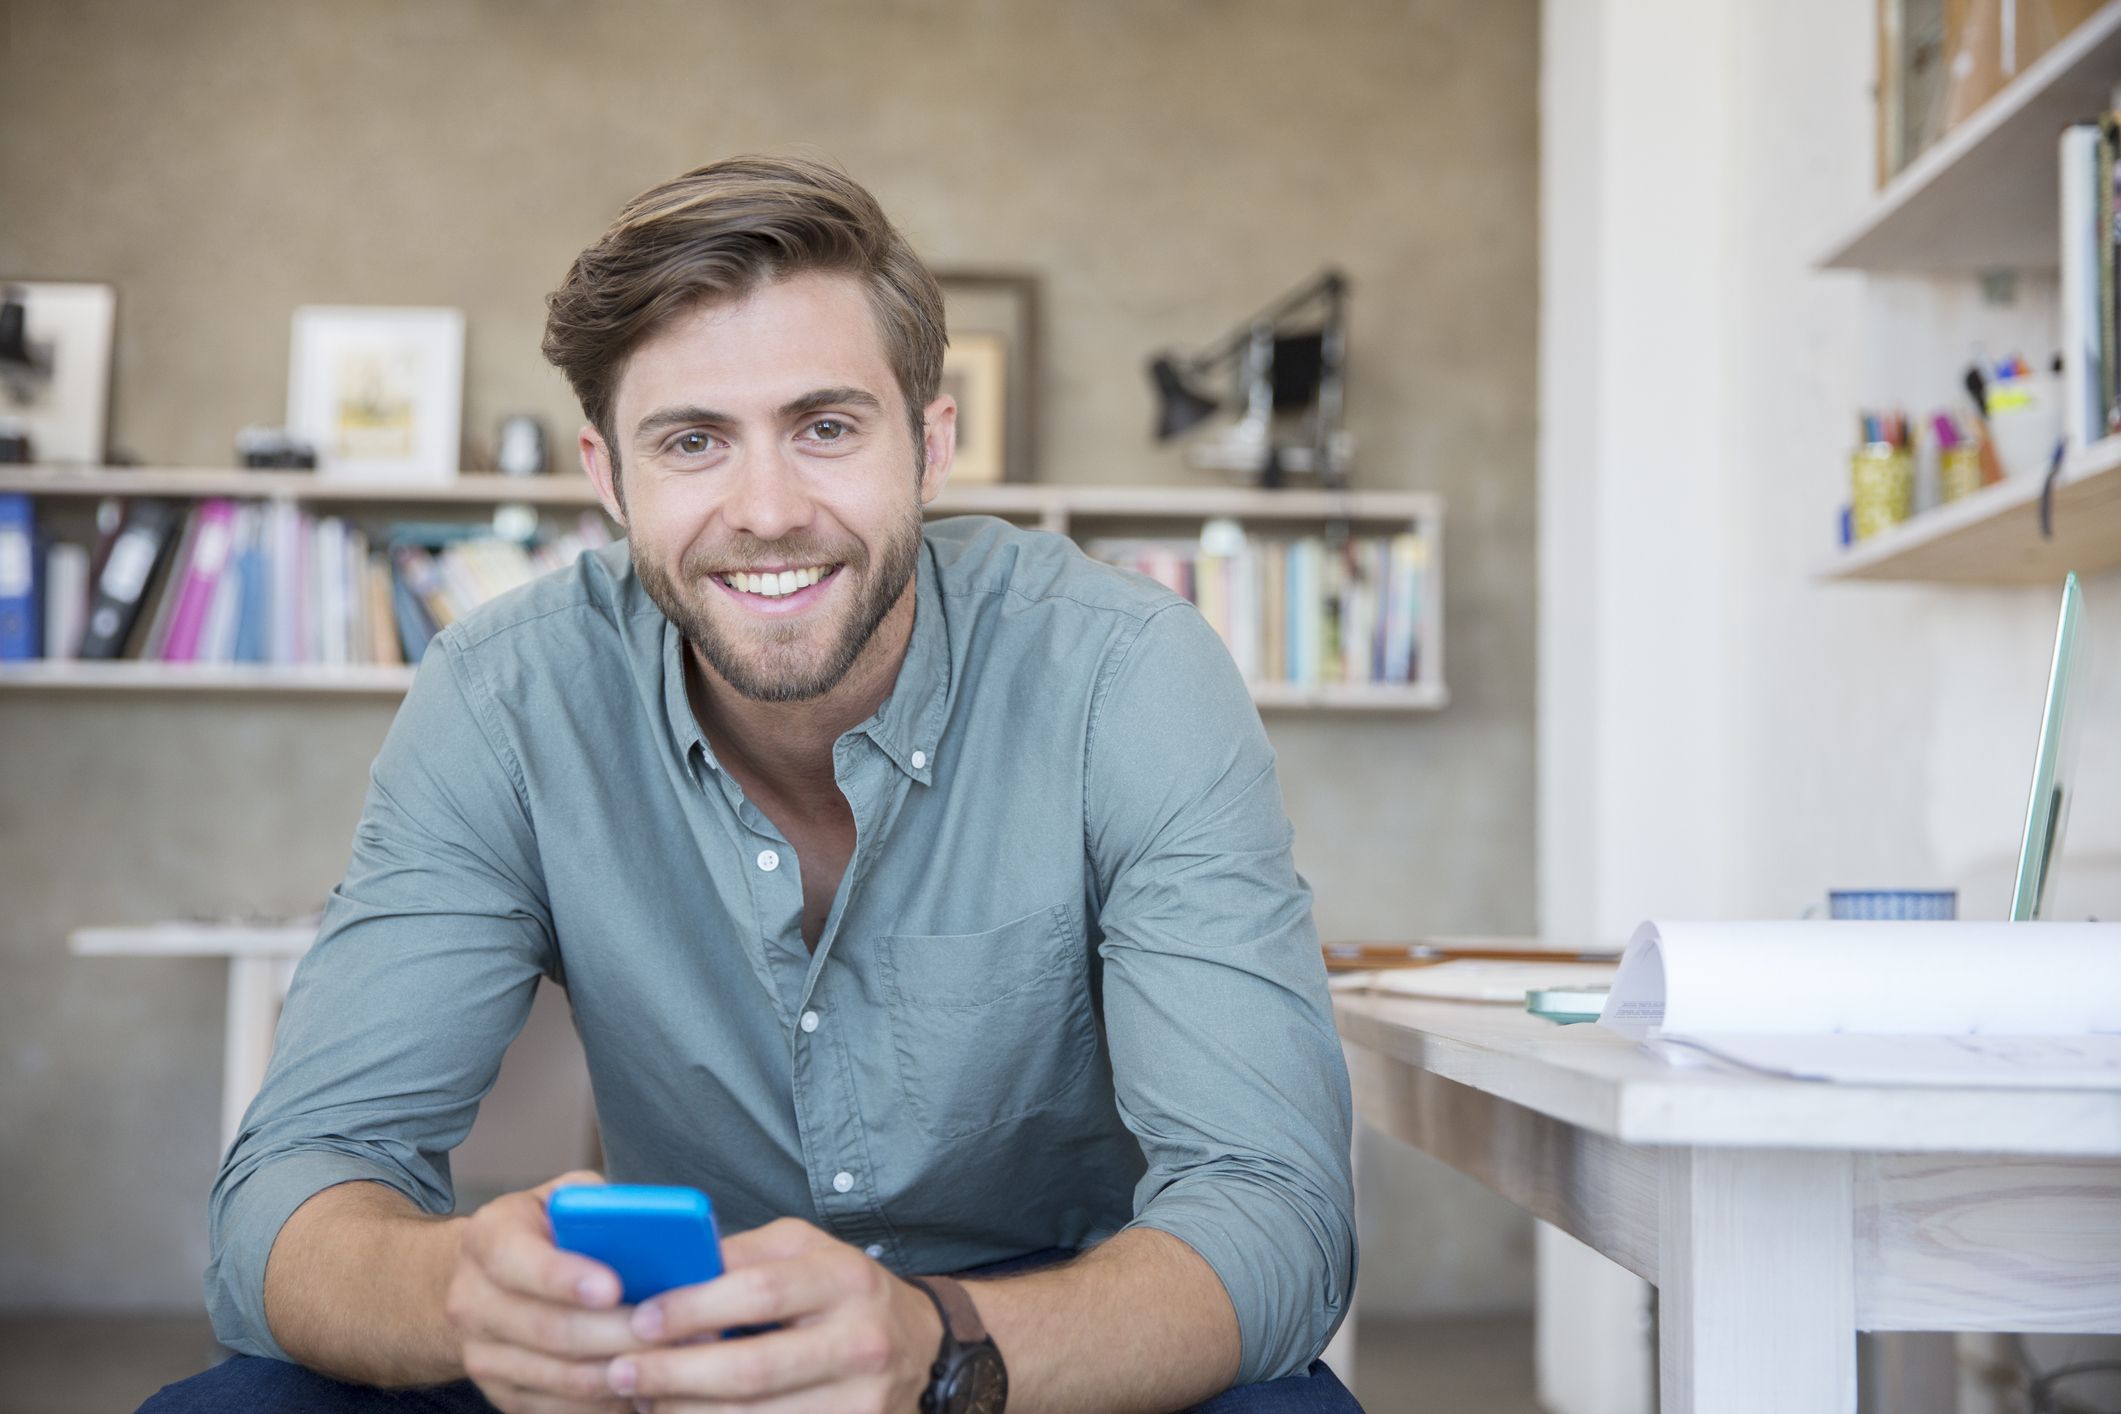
column 925, row 897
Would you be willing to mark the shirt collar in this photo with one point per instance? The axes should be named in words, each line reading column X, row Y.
column 910, row 723
column 905, row 727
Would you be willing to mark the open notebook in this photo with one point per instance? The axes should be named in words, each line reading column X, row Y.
column 2004, row 1004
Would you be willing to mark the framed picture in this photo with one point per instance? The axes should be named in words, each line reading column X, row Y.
column 55, row 383
column 378, row 391
column 988, row 310
column 976, row 373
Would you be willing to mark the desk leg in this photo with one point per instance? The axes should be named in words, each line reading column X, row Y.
column 255, row 986
column 1756, row 1297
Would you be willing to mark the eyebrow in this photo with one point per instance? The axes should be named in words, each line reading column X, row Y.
column 680, row 416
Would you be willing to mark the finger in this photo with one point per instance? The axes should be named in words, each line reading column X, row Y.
column 750, row 1368
column 573, row 1178
column 568, row 1332
column 760, row 1295
column 580, row 1382
column 777, row 1241
column 514, row 1247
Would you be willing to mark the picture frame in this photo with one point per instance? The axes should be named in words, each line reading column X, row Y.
column 976, row 374
column 1003, row 306
column 61, row 398
column 378, row 391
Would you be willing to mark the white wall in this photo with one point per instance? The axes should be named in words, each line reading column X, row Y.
column 1723, row 735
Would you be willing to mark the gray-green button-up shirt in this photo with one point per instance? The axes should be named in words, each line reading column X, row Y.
column 1070, row 982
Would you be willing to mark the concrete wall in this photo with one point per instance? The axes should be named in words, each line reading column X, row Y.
column 1166, row 167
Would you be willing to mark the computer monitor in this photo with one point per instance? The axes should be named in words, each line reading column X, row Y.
column 2054, row 765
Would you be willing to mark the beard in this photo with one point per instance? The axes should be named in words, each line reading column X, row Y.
column 771, row 661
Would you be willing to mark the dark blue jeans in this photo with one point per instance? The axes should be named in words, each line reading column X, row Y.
column 276, row 1387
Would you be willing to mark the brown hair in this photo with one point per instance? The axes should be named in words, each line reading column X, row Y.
column 717, row 233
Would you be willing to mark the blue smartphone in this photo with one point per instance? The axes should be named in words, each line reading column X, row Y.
column 655, row 1238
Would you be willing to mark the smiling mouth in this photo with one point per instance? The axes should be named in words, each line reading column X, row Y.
column 777, row 584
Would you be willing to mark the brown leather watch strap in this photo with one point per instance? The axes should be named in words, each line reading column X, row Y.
column 955, row 1303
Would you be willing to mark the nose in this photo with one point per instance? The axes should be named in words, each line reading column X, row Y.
column 766, row 498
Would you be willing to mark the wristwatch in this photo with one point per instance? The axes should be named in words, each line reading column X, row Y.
column 967, row 1376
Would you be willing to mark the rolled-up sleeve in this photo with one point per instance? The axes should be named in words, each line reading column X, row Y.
column 422, row 973
column 1224, row 1057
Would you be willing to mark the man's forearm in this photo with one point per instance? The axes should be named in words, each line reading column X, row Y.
column 1138, row 1325
column 355, row 1287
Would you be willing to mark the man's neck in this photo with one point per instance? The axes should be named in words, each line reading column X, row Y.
column 788, row 745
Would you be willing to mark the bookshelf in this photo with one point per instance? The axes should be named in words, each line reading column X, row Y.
column 1993, row 536
column 1987, row 197
column 1064, row 509
column 1983, row 197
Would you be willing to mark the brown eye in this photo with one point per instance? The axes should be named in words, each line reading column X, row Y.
column 693, row 443
column 828, row 429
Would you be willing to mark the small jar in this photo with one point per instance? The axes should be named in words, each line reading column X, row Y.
column 1959, row 471
column 1881, row 487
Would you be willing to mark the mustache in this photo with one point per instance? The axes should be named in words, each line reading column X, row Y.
column 749, row 559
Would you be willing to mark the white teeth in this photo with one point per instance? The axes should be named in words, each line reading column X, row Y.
column 773, row 586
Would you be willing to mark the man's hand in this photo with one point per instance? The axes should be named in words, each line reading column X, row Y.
column 854, row 1339
column 538, row 1325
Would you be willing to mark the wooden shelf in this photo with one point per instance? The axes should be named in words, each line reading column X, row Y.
column 1985, row 196
column 131, row 675
column 1056, row 507
column 371, row 681
column 1016, row 501
column 1993, row 536
column 1358, row 697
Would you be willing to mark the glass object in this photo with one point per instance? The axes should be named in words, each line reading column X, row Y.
column 2054, row 765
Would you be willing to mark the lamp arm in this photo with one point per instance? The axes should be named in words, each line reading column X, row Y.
column 1329, row 283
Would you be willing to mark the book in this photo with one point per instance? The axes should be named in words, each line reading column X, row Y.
column 21, row 606
column 135, row 555
column 384, row 644
column 212, row 542
column 65, row 599
column 2083, row 413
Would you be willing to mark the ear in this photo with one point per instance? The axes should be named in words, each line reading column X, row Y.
column 939, row 433
column 596, row 464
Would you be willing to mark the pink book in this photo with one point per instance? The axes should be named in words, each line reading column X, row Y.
column 195, row 593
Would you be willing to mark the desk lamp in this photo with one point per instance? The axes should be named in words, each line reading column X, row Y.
column 1275, row 370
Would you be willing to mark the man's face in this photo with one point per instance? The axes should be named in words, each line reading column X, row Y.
column 771, row 494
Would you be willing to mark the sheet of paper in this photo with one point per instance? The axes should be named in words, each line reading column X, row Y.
column 2009, row 1062
column 2034, row 979
column 1994, row 1004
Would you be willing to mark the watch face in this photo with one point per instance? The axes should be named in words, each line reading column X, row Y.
column 978, row 1386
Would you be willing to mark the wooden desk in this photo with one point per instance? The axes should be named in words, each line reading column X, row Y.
column 1776, row 1218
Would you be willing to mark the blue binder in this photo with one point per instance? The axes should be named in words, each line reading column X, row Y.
column 21, row 583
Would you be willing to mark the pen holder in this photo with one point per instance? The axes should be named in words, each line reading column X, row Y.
column 1958, row 471
column 1881, row 487
column 2025, row 419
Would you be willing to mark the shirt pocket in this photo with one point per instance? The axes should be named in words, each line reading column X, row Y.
column 990, row 1027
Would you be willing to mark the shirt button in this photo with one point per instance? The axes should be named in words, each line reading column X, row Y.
column 768, row 860
column 920, row 759
column 842, row 1181
column 874, row 1251
column 809, row 1021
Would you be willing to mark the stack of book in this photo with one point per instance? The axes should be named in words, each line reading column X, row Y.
column 265, row 582
column 1299, row 611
